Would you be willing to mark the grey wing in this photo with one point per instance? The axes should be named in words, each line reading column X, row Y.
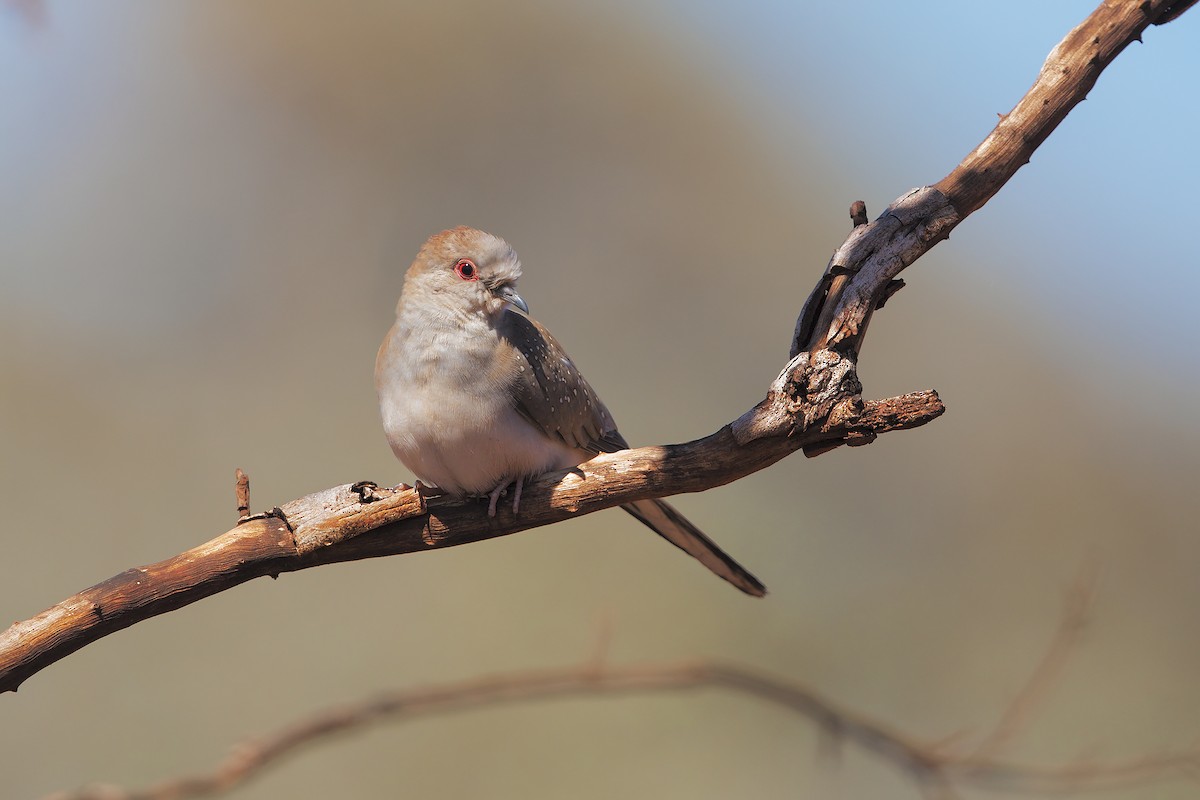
column 552, row 394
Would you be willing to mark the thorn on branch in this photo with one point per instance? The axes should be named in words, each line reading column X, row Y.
column 858, row 213
column 242, row 492
column 889, row 289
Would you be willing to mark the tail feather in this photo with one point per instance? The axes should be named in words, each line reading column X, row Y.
column 668, row 523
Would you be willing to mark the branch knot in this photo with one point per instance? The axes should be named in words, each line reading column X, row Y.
column 805, row 394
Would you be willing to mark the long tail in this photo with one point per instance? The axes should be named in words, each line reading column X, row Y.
column 668, row 523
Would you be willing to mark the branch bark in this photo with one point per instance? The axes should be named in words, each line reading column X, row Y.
column 814, row 404
column 357, row 521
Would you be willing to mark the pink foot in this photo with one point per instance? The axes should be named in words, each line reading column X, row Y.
column 494, row 495
column 517, row 494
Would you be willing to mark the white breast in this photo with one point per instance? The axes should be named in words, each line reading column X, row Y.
column 447, row 420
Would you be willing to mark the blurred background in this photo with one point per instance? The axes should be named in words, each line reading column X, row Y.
column 206, row 209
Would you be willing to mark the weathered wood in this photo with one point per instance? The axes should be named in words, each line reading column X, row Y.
column 1068, row 74
column 256, row 548
column 352, row 522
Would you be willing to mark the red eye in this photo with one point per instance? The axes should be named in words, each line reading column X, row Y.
column 465, row 268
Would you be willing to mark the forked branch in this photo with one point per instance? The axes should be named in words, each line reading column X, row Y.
column 815, row 404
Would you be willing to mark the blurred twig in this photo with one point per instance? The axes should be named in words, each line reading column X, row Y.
column 1033, row 694
column 938, row 771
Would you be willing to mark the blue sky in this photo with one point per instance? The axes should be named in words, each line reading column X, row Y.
column 899, row 92
column 896, row 93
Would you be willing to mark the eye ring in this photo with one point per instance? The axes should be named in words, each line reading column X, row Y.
column 466, row 269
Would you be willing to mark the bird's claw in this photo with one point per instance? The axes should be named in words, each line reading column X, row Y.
column 425, row 490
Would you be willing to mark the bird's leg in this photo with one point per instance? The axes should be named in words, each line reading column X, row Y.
column 517, row 494
column 494, row 495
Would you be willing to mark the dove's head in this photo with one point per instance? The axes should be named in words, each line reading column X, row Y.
column 464, row 271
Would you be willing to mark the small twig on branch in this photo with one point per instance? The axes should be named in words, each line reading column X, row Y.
column 242, row 492
column 814, row 404
column 858, row 213
column 937, row 769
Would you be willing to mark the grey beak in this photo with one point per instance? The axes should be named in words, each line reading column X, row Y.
column 509, row 295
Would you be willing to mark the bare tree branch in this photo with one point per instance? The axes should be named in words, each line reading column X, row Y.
column 873, row 254
column 937, row 769
column 814, row 404
column 352, row 522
